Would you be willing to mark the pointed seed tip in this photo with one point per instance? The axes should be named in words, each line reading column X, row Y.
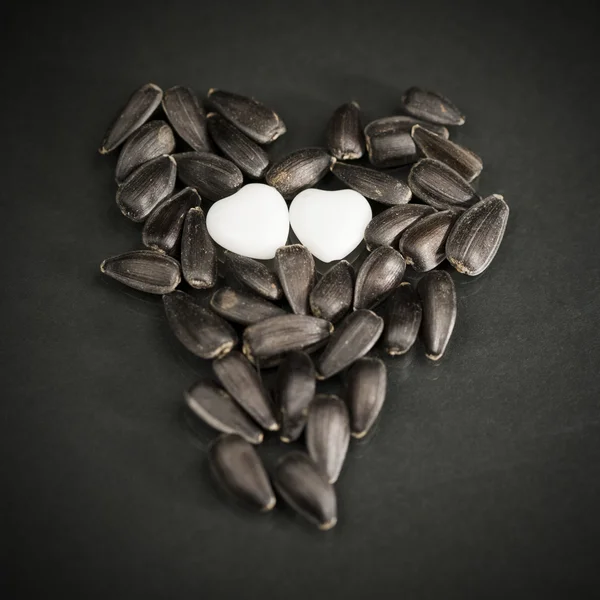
column 285, row 440
column 270, row 505
column 328, row 524
column 433, row 356
column 274, row 427
column 211, row 91
column 358, row 435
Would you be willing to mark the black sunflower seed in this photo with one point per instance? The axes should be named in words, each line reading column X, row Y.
column 139, row 108
column 300, row 483
column 241, row 380
column 295, row 268
column 238, row 147
column 243, row 307
column 256, row 120
column 345, row 138
column 162, row 228
column 440, row 186
column 213, row 176
column 299, row 170
column 381, row 272
column 332, row 296
column 198, row 251
column 150, row 141
column 386, row 228
column 199, row 329
column 186, row 115
column 351, row 340
column 431, row 107
column 476, row 236
column 296, row 383
column 144, row 270
column 146, row 186
column 254, row 275
column 328, row 434
column 438, row 297
column 402, row 320
column 366, row 386
column 218, row 409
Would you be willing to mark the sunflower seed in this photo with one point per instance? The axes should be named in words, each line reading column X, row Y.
column 440, row 186
column 331, row 298
column 162, row 228
column 295, row 387
column 438, row 297
column 386, row 228
column 477, row 234
column 242, row 307
column 278, row 335
column 254, row 275
column 241, row 380
column 423, row 244
column 135, row 113
column 213, row 176
column 218, row 409
column 402, row 320
column 237, row 147
column 328, row 434
column 145, row 187
column 236, row 466
column 198, row 252
column 345, row 138
column 352, row 339
column 150, row 141
column 299, row 170
column 253, row 118
column 431, row 107
column 465, row 162
column 200, row 330
column 300, row 483
column 372, row 184
column 186, row 115
column 366, row 385
column 381, row 272
column 144, row 270
column 295, row 268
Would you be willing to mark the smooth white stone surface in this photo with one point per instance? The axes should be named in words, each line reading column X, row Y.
column 253, row 222
column 330, row 224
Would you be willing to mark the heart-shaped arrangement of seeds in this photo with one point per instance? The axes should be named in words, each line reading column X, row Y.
column 282, row 313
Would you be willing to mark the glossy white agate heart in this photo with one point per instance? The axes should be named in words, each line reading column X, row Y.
column 330, row 224
column 253, row 222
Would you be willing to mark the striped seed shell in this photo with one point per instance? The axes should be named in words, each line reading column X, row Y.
column 300, row 483
column 295, row 267
column 251, row 159
column 332, row 296
column 476, row 236
column 438, row 297
column 386, row 228
column 198, row 251
column 328, row 434
column 351, row 340
column 243, row 383
column 199, row 329
column 375, row 185
column 152, row 140
column 440, row 186
column 254, row 275
column 257, row 121
column 431, row 107
column 162, row 228
column 402, row 320
column 299, row 170
column 296, row 384
column 236, row 466
column 144, row 270
column 366, row 386
column 139, row 108
column 217, row 408
column 213, row 176
column 380, row 273
column 345, row 138
column 186, row 115
column 243, row 307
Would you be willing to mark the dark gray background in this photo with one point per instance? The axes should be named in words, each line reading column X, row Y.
column 482, row 479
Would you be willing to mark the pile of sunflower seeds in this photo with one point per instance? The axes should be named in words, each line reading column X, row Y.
column 288, row 313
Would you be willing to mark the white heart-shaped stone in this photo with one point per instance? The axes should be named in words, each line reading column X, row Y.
column 253, row 222
column 330, row 224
